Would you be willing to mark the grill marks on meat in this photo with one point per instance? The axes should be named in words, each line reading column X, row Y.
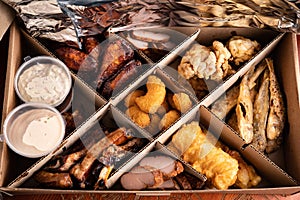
column 116, row 55
column 124, row 76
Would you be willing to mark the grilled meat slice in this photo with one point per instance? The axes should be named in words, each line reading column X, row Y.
column 73, row 58
column 116, row 55
column 56, row 180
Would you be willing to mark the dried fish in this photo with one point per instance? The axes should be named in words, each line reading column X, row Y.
column 261, row 110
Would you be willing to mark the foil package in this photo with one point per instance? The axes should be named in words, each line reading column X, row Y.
column 69, row 20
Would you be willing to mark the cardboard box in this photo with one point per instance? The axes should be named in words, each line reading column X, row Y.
column 282, row 46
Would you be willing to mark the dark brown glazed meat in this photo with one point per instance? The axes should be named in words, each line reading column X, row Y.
column 56, row 180
column 72, row 57
column 124, row 76
column 115, row 56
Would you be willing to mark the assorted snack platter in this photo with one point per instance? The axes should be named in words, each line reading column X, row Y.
column 157, row 117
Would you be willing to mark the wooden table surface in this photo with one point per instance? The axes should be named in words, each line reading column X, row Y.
column 206, row 196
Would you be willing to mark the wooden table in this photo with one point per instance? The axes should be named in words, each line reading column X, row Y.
column 208, row 196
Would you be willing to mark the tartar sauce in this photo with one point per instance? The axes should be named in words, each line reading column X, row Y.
column 44, row 83
column 36, row 131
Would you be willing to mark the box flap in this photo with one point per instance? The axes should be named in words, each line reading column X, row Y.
column 7, row 16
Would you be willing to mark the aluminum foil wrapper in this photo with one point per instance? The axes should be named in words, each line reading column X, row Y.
column 70, row 20
column 44, row 19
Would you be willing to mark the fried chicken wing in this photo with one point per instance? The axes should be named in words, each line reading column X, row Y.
column 242, row 49
column 155, row 96
column 199, row 61
column 223, row 69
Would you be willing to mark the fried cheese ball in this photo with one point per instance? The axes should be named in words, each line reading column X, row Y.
column 168, row 119
column 155, row 96
column 139, row 117
column 130, row 99
column 182, row 102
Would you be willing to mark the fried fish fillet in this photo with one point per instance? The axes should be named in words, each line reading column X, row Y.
column 218, row 166
column 244, row 110
column 276, row 117
column 261, row 110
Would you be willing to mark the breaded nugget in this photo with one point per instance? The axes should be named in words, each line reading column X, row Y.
column 137, row 116
column 155, row 96
column 168, row 119
column 182, row 102
column 130, row 99
column 154, row 122
column 163, row 109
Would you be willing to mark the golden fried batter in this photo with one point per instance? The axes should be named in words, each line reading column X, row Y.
column 219, row 167
column 155, row 96
column 130, row 99
column 182, row 102
column 242, row 49
column 168, row 119
column 139, row 117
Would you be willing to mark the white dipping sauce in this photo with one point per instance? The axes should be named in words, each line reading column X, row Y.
column 44, row 83
column 36, row 131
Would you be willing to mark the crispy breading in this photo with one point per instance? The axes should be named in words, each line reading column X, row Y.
column 244, row 110
column 199, row 61
column 242, row 49
column 276, row 117
column 218, row 166
column 182, row 102
column 138, row 116
column 155, row 96
column 130, row 99
column 261, row 111
column 168, row 119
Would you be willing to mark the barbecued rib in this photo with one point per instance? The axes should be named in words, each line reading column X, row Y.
column 124, row 76
column 56, row 180
column 116, row 55
column 117, row 137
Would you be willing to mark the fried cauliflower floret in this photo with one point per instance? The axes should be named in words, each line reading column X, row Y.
column 223, row 68
column 182, row 102
column 130, row 99
column 168, row 119
column 199, row 61
column 242, row 49
column 139, row 117
column 246, row 176
column 155, row 96
column 218, row 166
